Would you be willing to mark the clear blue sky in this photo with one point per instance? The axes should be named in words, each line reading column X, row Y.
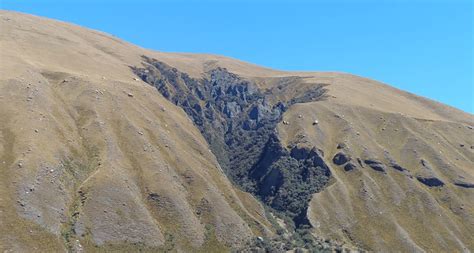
column 422, row 46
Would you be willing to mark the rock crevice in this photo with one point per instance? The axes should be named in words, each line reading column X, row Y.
column 239, row 121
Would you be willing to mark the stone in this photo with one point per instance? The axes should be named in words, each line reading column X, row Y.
column 315, row 122
column 375, row 165
column 349, row 166
column 340, row 158
column 397, row 167
column 341, row 146
column 130, row 94
column 463, row 184
column 232, row 109
column 430, row 181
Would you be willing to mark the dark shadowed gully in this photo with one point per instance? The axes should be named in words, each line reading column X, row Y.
column 239, row 122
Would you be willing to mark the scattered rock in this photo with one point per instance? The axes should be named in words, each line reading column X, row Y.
column 461, row 145
column 140, row 133
column 20, row 165
column 136, row 79
column 36, row 130
column 375, row 165
column 430, row 181
column 130, row 94
column 398, row 167
column 340, row 158
column 349, row 166
column 315, row 122
column 300, row 116
column 463, row 184
column 341, row 146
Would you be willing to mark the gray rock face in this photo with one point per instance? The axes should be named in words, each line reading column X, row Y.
column 349, row 166
column 427, row 176
column 397, row 167
column 239, row 123
column 375, row 165
column 232, row 109
column 340, row 158
column 430, row 181
column 463, row 184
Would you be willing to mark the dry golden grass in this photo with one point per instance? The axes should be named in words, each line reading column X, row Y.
column 68, row 93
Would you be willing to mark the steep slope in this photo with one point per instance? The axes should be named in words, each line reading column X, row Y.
column 400, row 182
column 95, row 158
column 105, row 145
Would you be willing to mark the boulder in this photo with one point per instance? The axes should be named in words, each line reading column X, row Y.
column 375, row 165
column 463, row 184
column 430, row 181
column 350, row 166
column 340, row 158
column 341, row 146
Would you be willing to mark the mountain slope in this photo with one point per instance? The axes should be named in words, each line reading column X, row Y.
column 103, row 158
column 105, row 144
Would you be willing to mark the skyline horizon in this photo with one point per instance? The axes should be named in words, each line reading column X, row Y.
column 428, row 82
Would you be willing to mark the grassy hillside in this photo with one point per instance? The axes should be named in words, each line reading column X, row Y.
column 95, row 158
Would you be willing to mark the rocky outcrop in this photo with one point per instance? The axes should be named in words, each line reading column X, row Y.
column 464, row 184
column 350, row 166
column 340, row 158
column 430, row 181
column 397, row 167
column 239, row 121
column 286, row 180
column 375, row 165
column 427, row 176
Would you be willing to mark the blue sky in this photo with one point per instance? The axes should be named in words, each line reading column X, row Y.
column 422, row 46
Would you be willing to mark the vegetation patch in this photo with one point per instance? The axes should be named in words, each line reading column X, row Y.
column 239, row 122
